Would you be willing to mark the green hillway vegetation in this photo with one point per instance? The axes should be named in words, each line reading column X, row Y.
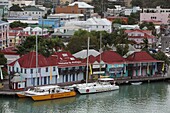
column 78, row 42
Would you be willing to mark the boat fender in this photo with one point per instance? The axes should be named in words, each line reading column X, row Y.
column 87, row 90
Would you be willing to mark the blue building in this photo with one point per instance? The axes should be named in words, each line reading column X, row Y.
column 52, row 23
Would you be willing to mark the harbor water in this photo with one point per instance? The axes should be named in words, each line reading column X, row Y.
column 144, row 98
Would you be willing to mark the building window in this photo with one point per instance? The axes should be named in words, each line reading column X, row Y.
column 38, row 83
column 53, row 68
column 31, row 71
column 21, row 70
column 45, row 80
column 13, row 69
column 96, row 26
column 9, row 68
column 46, row 69
column 103, row 26
column 32, row 12
column 17, row 70
column 25, row 71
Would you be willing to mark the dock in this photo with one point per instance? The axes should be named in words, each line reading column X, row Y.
column 119, row 81
column 141, row 79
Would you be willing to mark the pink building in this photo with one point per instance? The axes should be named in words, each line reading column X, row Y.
column 156, row 14
column 138, row 35
column 4, row 34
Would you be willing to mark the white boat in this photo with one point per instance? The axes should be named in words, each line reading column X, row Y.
column 97, row 87
column 102, row 85
column 136, row 83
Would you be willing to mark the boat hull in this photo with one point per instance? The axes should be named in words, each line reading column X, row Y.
column 88, row 90
column 21, row 95
column 137, row 83
column 53, row 96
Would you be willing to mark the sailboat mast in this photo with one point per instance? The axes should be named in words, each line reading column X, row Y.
column 100, row 49
column 36, row 56
column 88, row 41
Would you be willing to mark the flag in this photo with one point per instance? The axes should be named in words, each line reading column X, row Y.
column 50, row 73
column 140, row 73
column 163, row 67
column 1, row 74
column 90, row 70
column 148, row 69
column 124, row 68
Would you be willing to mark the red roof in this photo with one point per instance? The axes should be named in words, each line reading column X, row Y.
column 139, row 30
column 9, row 51
column 29, row 61
column 141, row 56
column 17, row 28
column 110, row 57
column 145, row 32
column 92, row 59
column 61, row 59
column 66, row 59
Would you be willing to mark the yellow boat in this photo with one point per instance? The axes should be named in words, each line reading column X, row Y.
column 54, row 96
column 47, row 93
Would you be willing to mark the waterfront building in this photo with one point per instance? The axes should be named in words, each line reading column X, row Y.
column 156, row 14
column 4, row 34
column 141, row 64
column 138, row 64
column 138, row 36
column 61, row 67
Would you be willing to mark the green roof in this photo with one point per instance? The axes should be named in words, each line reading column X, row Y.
column 32, row 8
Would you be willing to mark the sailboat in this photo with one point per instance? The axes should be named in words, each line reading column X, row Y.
column 102, row 85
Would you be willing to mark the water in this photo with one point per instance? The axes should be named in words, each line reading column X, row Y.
column 145, row 98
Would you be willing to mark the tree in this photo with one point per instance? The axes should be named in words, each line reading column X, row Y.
column 145, row 41
column 45, row 46
column 18, row 24
column 161, row 56
column 134, row 18
column 78, row 41
column 118, row 21
column 149, row 26
column 122, row 49
column 3, row 60
column 15, row 8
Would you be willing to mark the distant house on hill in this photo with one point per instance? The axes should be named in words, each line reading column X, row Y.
column 138, row 36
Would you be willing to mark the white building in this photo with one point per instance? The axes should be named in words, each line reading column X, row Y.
column 28, row 12
column 138, row 36
column 22, row 3
column 66, row 17
column 36, row 31
column 155, row 14
column 4, row 34
column 59, row 68
column 96, row 24
column 128, row 11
